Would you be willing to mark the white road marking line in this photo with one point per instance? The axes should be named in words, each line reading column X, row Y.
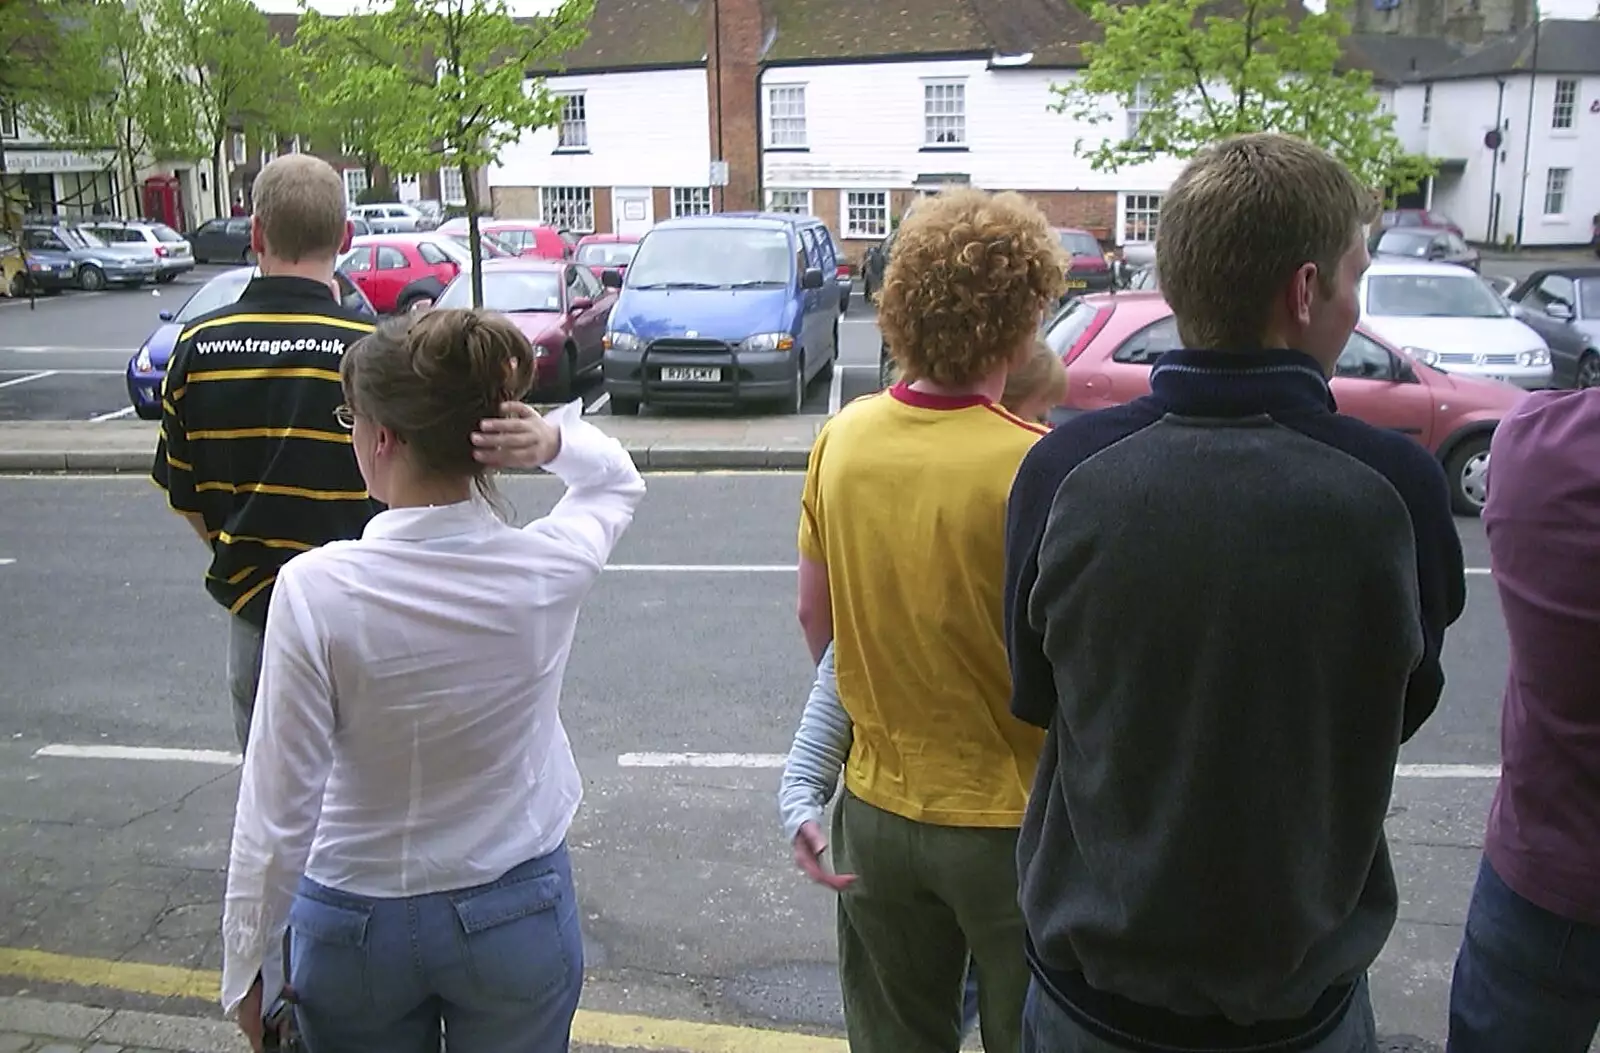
column 703, row 568
column 858, row 321
column 14, row 381
column 126, row 411
column 836, row 390
column 73, row 372
column 138, row 753
column 598, row 404
column 701, row 760
column 1477, row 570
column 62, row 350
column 6, row 562
column 1447, row 771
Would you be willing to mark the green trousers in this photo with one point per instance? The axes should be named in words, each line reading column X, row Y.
column 925, row 898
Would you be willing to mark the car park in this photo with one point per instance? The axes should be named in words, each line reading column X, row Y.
column 1562, row 304
column 147, row 369
column 1424, row 243
column 725, row 310
column 561, row 307
column 172, row 252
column 1110, row 342
column 95, row 265
column 1446, row 316
column 222, row 240
column 404, row 272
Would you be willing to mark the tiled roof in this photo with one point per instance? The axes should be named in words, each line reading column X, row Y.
column 821, row 30
column 1563, row 46
column 1396, row 59
column 640, row 34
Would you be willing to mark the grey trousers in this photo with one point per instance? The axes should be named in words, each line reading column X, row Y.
column 244, row 669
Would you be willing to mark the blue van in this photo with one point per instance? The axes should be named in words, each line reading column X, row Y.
column 725, row 309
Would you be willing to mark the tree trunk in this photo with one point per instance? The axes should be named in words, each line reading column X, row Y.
column 219, row 177
column 5, row 224
column 469, row 184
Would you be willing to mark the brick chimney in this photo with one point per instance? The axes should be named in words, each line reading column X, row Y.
column 735, row 34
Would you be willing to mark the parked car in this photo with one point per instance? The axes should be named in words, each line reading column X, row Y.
column 359, row 227
column 393, row 217
column 1109, row 343
column 404, row 272
column 1562, row 304
column 606, row 252
column 95, row 264
column 148, row 366
column 45, row 270
column 222, row 240
column 562, row 308
column 1418, row 217
column 1447, row 317
column 1423, row 243
column 1090, row 271
column 524, row 237
column 172, row 252
column 724, row 310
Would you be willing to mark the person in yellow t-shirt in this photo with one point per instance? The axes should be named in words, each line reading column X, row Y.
column 902, row 537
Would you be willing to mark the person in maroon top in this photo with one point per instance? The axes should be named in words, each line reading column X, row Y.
column 1527, row 979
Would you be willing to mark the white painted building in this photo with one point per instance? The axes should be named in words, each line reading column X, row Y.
column 1545, row 176
column 853, row 142
column 632, row 148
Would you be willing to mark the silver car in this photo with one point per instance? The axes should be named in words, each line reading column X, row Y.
column 393, row 217
column 173, row 255
column 1448, row 317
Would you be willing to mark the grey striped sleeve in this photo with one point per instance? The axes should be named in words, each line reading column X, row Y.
column 821, row 745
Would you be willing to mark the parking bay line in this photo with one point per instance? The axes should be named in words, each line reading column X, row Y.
column 126, row 411
column 724, row 761
column 14, row 381
column 590, row 1027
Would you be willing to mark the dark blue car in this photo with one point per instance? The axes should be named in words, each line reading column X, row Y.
column 148, row 367
column 723, row 310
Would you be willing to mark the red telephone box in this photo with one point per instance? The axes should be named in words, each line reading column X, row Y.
column 163, row 200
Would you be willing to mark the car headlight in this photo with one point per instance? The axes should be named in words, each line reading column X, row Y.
column 767, row 342
column 1539, row 356
column 615, row 341
column 1424, row 355
column 141, row 362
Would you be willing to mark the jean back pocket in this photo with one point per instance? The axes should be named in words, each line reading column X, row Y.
column 520, row 938
column 328, row 952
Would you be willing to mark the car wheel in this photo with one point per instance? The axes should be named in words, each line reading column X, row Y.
column 1589, row 370
column 561, row 390
column 622, row 406
column 248, row 256
column 163, row 279
column 1467, row 471
column 886, row 368
column 797, row 400
column 416, row 305
column 91, row 278
column 144, row 412
column 828, row 366
column 19, row 286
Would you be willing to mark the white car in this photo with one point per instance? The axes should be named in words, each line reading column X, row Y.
column 393, row 217
column 1448, row 317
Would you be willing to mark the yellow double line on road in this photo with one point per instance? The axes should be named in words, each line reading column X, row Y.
column 606, row 1030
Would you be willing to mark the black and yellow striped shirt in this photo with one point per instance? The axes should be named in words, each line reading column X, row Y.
column 248, row 436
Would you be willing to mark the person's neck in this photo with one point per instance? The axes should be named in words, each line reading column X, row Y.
column 990, row 387
column 313, row 270
column 407, row 492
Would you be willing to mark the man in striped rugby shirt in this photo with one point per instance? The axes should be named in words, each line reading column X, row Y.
column 250, row 451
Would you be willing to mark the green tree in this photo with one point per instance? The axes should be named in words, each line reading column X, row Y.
column 136, row 100
column 44, row 65
column 1193, row 75
column 234, row 71
column 444, row 81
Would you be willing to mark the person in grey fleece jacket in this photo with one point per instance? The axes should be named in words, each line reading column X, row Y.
column 811, row 778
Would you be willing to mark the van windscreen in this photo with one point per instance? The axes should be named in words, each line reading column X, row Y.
column 712, row 258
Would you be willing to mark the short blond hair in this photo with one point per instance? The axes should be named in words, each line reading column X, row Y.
column 1042, row 376
column 964, row 289
column 300, row 208
column 1240, row 219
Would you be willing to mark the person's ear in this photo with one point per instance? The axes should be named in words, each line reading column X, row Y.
column 1302, row 294
column 258, row 243
column 349, row 232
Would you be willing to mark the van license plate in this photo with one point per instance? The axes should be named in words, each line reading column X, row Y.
column 691, row 374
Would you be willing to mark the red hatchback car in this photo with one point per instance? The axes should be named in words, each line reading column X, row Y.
column 562, row 308
column 606, row 252
column 524, row 237
column 1109, row 343
column 404, row 272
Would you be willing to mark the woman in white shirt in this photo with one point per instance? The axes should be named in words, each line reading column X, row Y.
column 408, row 784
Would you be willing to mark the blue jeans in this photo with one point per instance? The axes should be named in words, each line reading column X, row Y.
column 500, row 966
column 1047, row 1028
column 1526, row 980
